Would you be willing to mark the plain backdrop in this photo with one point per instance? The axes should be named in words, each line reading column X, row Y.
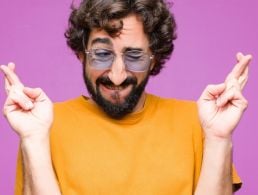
column 210, row 33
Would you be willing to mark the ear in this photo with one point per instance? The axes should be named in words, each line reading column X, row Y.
column 153, row 62
column 80, row 56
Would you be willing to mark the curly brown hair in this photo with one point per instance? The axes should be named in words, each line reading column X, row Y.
column 159, row 24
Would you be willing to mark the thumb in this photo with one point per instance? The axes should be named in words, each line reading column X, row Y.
column 213, row 91
column 34, row 93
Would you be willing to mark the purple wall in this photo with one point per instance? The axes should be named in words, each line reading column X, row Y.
column 209, row 35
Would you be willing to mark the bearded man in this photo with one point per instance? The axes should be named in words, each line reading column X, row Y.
column 121, row 140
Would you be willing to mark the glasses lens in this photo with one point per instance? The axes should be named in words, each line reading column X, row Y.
column 137, row 61
column 101, row 58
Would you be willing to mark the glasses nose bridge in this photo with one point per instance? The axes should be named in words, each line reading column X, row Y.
column 119, row 56
column 117, row 73
column 118, row 61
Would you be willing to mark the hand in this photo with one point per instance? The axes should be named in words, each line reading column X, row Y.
column 221, row 106
column 28, row 111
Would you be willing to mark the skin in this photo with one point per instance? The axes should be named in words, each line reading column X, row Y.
column 118, row 73
column 25, row 106
column 220, row 109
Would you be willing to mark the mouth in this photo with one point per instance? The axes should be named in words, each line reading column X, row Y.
column 114, row 87
column 115, row 94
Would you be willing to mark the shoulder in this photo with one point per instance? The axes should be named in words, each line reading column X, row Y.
column 179, row 106
column 67, row 115
column 69, row 102
column 182, row 113
column 76, row 104
column 69, row 109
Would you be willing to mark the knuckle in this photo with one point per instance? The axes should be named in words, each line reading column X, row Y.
column 210, row 86
column 234, row 90
column 39, row 89
column 245, row 104
column 232, row 82
column 7, row 88
column 12, row 95
column 4, row 111
column 15, row 90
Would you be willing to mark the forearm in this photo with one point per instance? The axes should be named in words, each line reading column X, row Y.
column 215, row 177
column 26, row 180
column 39, row 177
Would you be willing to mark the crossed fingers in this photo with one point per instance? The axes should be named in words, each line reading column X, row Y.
column 14, row 90
column 240, row 72
column 235, row 82
column 11, row 79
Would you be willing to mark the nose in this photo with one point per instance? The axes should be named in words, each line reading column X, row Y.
column 117, row 73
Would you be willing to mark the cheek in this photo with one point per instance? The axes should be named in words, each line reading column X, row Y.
column 93, row 75
column 140, row 77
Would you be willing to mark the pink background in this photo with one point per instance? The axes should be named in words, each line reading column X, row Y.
column 209, row 35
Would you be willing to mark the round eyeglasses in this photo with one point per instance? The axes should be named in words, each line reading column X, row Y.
column 134, row 60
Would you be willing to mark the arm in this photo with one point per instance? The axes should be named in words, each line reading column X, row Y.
column 38, row 171
column 220, row 109
column 29, row 113
column 215, row 177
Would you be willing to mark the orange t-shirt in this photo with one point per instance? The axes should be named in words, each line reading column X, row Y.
column 155, row 151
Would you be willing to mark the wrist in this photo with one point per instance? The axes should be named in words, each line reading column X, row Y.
column 218, row 139
column 218, row 145
column 36, row 151
column 217, row 135
column 35, row 142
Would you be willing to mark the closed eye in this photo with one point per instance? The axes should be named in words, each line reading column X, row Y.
column 134, row 56
column 102, row 54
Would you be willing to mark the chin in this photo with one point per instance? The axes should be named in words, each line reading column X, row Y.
column 116, row 101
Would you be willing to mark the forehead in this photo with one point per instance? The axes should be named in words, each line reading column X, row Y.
column 132, row 35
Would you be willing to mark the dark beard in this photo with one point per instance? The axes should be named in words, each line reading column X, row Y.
column 116, row 110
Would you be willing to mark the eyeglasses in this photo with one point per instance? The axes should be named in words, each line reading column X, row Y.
column 134, row 60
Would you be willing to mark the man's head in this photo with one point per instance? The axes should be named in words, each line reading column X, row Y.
column 120, row 43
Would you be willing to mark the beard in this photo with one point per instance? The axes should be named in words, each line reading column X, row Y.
column 119, row 109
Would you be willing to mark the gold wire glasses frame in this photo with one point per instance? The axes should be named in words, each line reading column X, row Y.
column 134, row 60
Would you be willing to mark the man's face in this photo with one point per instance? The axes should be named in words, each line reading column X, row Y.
column 116, row 90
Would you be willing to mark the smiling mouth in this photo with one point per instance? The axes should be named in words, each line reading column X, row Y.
column 116, row 88
column 116, row 94
column 108, row 84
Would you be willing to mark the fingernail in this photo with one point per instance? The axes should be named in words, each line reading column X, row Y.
column 218, row 102
column 29, row 105
column 250, row 56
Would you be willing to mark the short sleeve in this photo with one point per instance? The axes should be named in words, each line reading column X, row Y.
column 237, row 183
column 19, row 175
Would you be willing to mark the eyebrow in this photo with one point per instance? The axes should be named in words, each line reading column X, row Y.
column 106, row 41
column 133, row 49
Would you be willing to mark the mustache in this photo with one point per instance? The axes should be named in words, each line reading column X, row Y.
column 106, row 81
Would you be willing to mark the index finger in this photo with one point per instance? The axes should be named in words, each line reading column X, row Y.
column 239, row 68
column 11, row 77
column 7, row 86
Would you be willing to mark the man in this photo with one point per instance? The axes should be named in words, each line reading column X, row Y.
column 122, row 140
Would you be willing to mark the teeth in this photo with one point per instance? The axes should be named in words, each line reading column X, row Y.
column 112, row 87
